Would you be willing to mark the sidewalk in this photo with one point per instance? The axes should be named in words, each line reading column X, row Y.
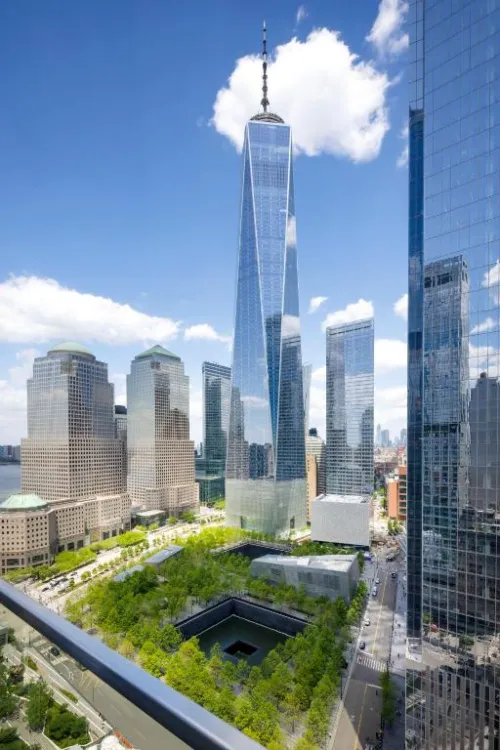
column 394, row 737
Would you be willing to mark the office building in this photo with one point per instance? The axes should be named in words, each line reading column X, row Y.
column 121, row 431
column 349, row 408
column 266, row 468
column 378, row 437
column 402, row 437
column 385, row 439
column 315, row 446
column 341, row 519
column 453, row 496
column 396, row 495
column 211, row 467
column 161, row 470
column 325, row 575
column 306, row 382
column 71, row 451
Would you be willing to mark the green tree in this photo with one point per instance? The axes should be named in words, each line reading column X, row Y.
column 8, row 701
column 39, row 702
column 169, row 638
column 388, row 697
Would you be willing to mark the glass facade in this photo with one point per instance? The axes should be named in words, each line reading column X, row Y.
column 216, row 400
column 453, row 668
column 161, row 469
column 265, row 470
column 349, row 408
column 71, row 451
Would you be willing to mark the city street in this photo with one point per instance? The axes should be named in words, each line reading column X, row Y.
column 360, row 713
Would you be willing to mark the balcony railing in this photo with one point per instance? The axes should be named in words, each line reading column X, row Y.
column 183, row 719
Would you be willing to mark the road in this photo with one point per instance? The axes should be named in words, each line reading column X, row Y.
column 360, row 713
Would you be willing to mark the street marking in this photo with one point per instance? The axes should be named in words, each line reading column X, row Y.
column 369, row 661
column 356, row 739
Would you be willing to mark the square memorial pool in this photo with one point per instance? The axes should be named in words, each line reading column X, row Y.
column 241, row 639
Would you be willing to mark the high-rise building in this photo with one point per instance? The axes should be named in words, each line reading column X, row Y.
column 71, row 451
column 121, row 430
column 453, row 495
column 385, row 439
column 378, row 437
column 161, row 471
column 402, row 437
column 216, row 400
column 315, row 446
column 349, row 408
column 266, row 471
column 306, row 382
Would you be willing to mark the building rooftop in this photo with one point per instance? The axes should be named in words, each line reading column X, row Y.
column 120, row 577
column 71, row 347
column 23, row 502
column 354, row 499
column 157, row 351
column 319, row 562
column 164, row 554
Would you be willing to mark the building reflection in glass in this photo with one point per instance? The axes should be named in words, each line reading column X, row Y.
column 265, row 470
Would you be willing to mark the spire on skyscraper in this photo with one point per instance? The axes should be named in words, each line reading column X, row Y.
column 265, row 116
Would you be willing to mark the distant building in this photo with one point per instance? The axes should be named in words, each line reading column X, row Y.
column 378, row 438
column 325, row 575
column 385, row 439
column 10, row 453
column 341, row 519
column 312, row 481
column 396, row 495
column 315, row 446
column 161, row 469
column 306, row 384
column 402, row 437
column 349, row 408
column 121, row 430
column 211, row 468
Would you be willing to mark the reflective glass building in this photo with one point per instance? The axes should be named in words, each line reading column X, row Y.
column 216, row 399
column 161, row 472
column 349, row 408
column 265, row 470
column 453, row 522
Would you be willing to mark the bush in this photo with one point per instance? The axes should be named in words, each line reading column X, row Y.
column 39, row 702
column 104, row 544
column 130, row 538
column 64, row 728
column 10, row 740
column 31, row 663
column 71, row 696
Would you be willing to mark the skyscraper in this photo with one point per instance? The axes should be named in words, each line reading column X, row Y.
column 71, row 451
column 160, row 453
column 306, row 381
column 349, row 408
column 453, row 503
column 265, row 471
column 216, row 400
column 378, row 438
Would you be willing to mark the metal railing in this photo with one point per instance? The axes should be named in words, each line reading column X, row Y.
column 188, row 721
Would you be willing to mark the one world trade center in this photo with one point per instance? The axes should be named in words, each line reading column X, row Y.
column 265, row 471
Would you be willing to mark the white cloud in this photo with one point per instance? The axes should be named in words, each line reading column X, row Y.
column 36, row 309
column 290, row 326
column 400, row 307
column 387, row 35
column 315, row 303
column 334, row 101
column 355, row 311
column 13, row 398
column 301, row 14
column 390, row 354
column 390, row 407
column 405, row 153
column 319, row 375
column 486, row 325
column 119, row 380
column 317, row 409
column 291, row 232
column 492, row 278
column 204, row 331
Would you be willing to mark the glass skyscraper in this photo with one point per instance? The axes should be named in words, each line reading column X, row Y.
column 453, row 522
column 349, row 408
column 160, row 454
column 216, row 399
column 265, row 471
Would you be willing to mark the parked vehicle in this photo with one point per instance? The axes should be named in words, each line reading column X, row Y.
column 377, row 581
column 362, row 645
column 367, row 621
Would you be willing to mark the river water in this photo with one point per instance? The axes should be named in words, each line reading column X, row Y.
column 10, row 480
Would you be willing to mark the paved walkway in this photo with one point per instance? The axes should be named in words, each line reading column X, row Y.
column 394, row 737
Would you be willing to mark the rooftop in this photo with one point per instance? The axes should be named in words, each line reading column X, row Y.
column 354, row 499
column 164, row 554
column 120, row 577
column 340, row 563
column 71, row 347
column 23, row 502
column 157, row 351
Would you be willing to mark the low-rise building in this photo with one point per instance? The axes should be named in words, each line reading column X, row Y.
column 341, row 519
column 163, row 555
column 324, row 575
column 396, row 494
column 120, row 577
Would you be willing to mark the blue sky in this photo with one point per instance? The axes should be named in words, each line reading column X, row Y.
column 120, row 186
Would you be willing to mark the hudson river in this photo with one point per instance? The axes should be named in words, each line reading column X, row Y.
column 10, row 479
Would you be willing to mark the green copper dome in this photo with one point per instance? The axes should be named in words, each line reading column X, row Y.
column 71, row 347
column 157, row 350
column 23, row 502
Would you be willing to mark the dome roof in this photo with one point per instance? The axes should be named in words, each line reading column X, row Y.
column 71, row 347
column 23, row 502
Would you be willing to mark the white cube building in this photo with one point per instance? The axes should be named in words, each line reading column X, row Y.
column 321, row 575
column 341, row 519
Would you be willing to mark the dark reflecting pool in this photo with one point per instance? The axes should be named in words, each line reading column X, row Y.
column 241, row 639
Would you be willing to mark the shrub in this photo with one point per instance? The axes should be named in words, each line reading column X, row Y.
column 64, row 728
column 71, row 696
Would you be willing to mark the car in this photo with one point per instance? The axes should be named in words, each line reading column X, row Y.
column 54, row 651
column 374, row 592
column 46, row 588
column 366, row 622
column 377, row 581
column 393, row 574
column 362, row 645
